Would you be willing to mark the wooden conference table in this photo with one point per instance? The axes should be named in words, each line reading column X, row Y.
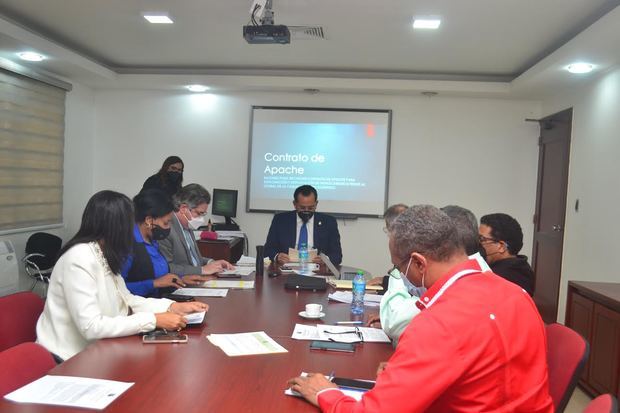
column 199, row 377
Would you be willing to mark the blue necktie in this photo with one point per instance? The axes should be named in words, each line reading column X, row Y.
column 303, row 236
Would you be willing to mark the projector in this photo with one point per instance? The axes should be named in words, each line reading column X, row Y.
column 267, row 34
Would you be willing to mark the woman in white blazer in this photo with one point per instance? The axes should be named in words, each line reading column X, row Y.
column 87, row 298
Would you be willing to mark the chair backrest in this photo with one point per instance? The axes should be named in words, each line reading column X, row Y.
column 45, row 244
column 605, row 403
column 19, row 313
column 567, row 353
column 23, row 364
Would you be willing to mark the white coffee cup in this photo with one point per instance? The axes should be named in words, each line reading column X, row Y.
column 313, row 310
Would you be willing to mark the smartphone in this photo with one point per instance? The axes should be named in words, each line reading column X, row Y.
column 179, row 298
column 332, row 346
column 167, row 338
column 353, row 384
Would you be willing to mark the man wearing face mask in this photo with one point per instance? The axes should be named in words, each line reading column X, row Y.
column 303, row 226
column 179, row 248
column 478, row 343
column 398, row 305
column 146, row 271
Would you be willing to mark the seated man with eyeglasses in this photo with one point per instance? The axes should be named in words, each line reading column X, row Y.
column 478, row 344
column 502, row 239
column 303, row 226
column 179, row 248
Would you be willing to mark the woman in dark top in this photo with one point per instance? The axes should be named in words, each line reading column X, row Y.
column 146, row 271
column 169, row 178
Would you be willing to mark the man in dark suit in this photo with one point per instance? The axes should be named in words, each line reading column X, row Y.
column 303, row 226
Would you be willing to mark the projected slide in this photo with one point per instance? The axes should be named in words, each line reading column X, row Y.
column 343, row 154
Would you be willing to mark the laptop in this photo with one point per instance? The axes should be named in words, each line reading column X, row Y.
column 345, row 275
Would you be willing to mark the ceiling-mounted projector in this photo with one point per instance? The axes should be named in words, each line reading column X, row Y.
column 261, row 29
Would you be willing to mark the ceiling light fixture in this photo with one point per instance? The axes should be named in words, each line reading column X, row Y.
column 158, row 18
column 197, row 88
column 580, row 67
column 31, row 56
column 426, row 23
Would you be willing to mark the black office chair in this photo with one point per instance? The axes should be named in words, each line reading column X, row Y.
column 41, row 254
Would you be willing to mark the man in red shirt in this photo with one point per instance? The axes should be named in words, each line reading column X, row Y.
column 478, row 344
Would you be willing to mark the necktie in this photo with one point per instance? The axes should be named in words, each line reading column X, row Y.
column 303, row 236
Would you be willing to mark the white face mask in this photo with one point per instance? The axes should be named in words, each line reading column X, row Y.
column 413, row 290
column 195, row 223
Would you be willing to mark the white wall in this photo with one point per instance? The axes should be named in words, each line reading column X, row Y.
column 478, row 153
column 78, row 172
column 591, row 235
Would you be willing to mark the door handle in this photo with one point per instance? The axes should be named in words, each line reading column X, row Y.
column 557, row 228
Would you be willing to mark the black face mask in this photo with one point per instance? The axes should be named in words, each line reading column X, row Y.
column 158, row 233
column 174, row 177
column 305, row 215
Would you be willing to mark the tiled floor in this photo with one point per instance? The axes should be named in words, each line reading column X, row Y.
column 578, row 402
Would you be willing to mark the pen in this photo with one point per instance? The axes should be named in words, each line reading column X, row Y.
column 331, row 376
column 349, row 322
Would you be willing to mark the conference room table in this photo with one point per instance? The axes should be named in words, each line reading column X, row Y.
column 200, row 377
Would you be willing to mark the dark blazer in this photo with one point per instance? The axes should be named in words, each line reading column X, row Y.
column 283, row 233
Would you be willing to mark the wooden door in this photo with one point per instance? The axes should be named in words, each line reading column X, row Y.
column 553, row 159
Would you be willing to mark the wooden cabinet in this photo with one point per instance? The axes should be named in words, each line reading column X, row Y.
column 593, row 310
column 227, row 249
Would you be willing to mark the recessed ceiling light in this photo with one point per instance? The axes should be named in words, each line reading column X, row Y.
column 580, row 67
column 426, row 23
column 31, row 56
column 158, row 18
column 197, row 88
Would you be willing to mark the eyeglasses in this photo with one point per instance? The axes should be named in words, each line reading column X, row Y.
column 484, row 239
column 356, row 331
column 199, row 213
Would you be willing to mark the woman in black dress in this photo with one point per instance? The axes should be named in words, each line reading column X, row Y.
column 169, row 178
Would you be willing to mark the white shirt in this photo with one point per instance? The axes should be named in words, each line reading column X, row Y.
column 310, row 227
column 86, row 302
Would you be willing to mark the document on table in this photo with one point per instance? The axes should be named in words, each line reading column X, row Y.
column 195, row 318
column 229, row 284
column 202, row 292
column 239, row 270
column 245, row 344
column 70, row 391
column 370, row 300
column 356, row 394
column 246, row 261
column 342, row 334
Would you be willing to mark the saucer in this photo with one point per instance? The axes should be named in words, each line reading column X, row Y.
column 304, row 315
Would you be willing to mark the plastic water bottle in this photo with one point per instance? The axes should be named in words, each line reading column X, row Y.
column 359, row 289
column 303, row 259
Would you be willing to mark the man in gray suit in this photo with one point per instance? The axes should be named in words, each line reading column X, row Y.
column 179, row 248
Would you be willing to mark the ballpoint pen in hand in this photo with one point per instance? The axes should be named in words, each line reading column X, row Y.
column 331, row 376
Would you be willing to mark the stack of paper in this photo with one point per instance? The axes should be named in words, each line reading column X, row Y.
column 342, row 334
column 202, row 292
column 229, row 284
column 370, row 300
column 293, row 254
column 348, row 285
column 70, row 391
column 244, row 344
column 195, row 318
column 246, row 261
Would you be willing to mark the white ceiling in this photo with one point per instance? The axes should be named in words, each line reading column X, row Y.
column 489, row 40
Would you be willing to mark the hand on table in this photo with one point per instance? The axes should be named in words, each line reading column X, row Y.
column 170, row 321
column 216, row 266
column 310, row 385
column 373, row 320
column 168, row 280
column 375, row 281
column 188, row 307
column 317, row 260
column 283, row 258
